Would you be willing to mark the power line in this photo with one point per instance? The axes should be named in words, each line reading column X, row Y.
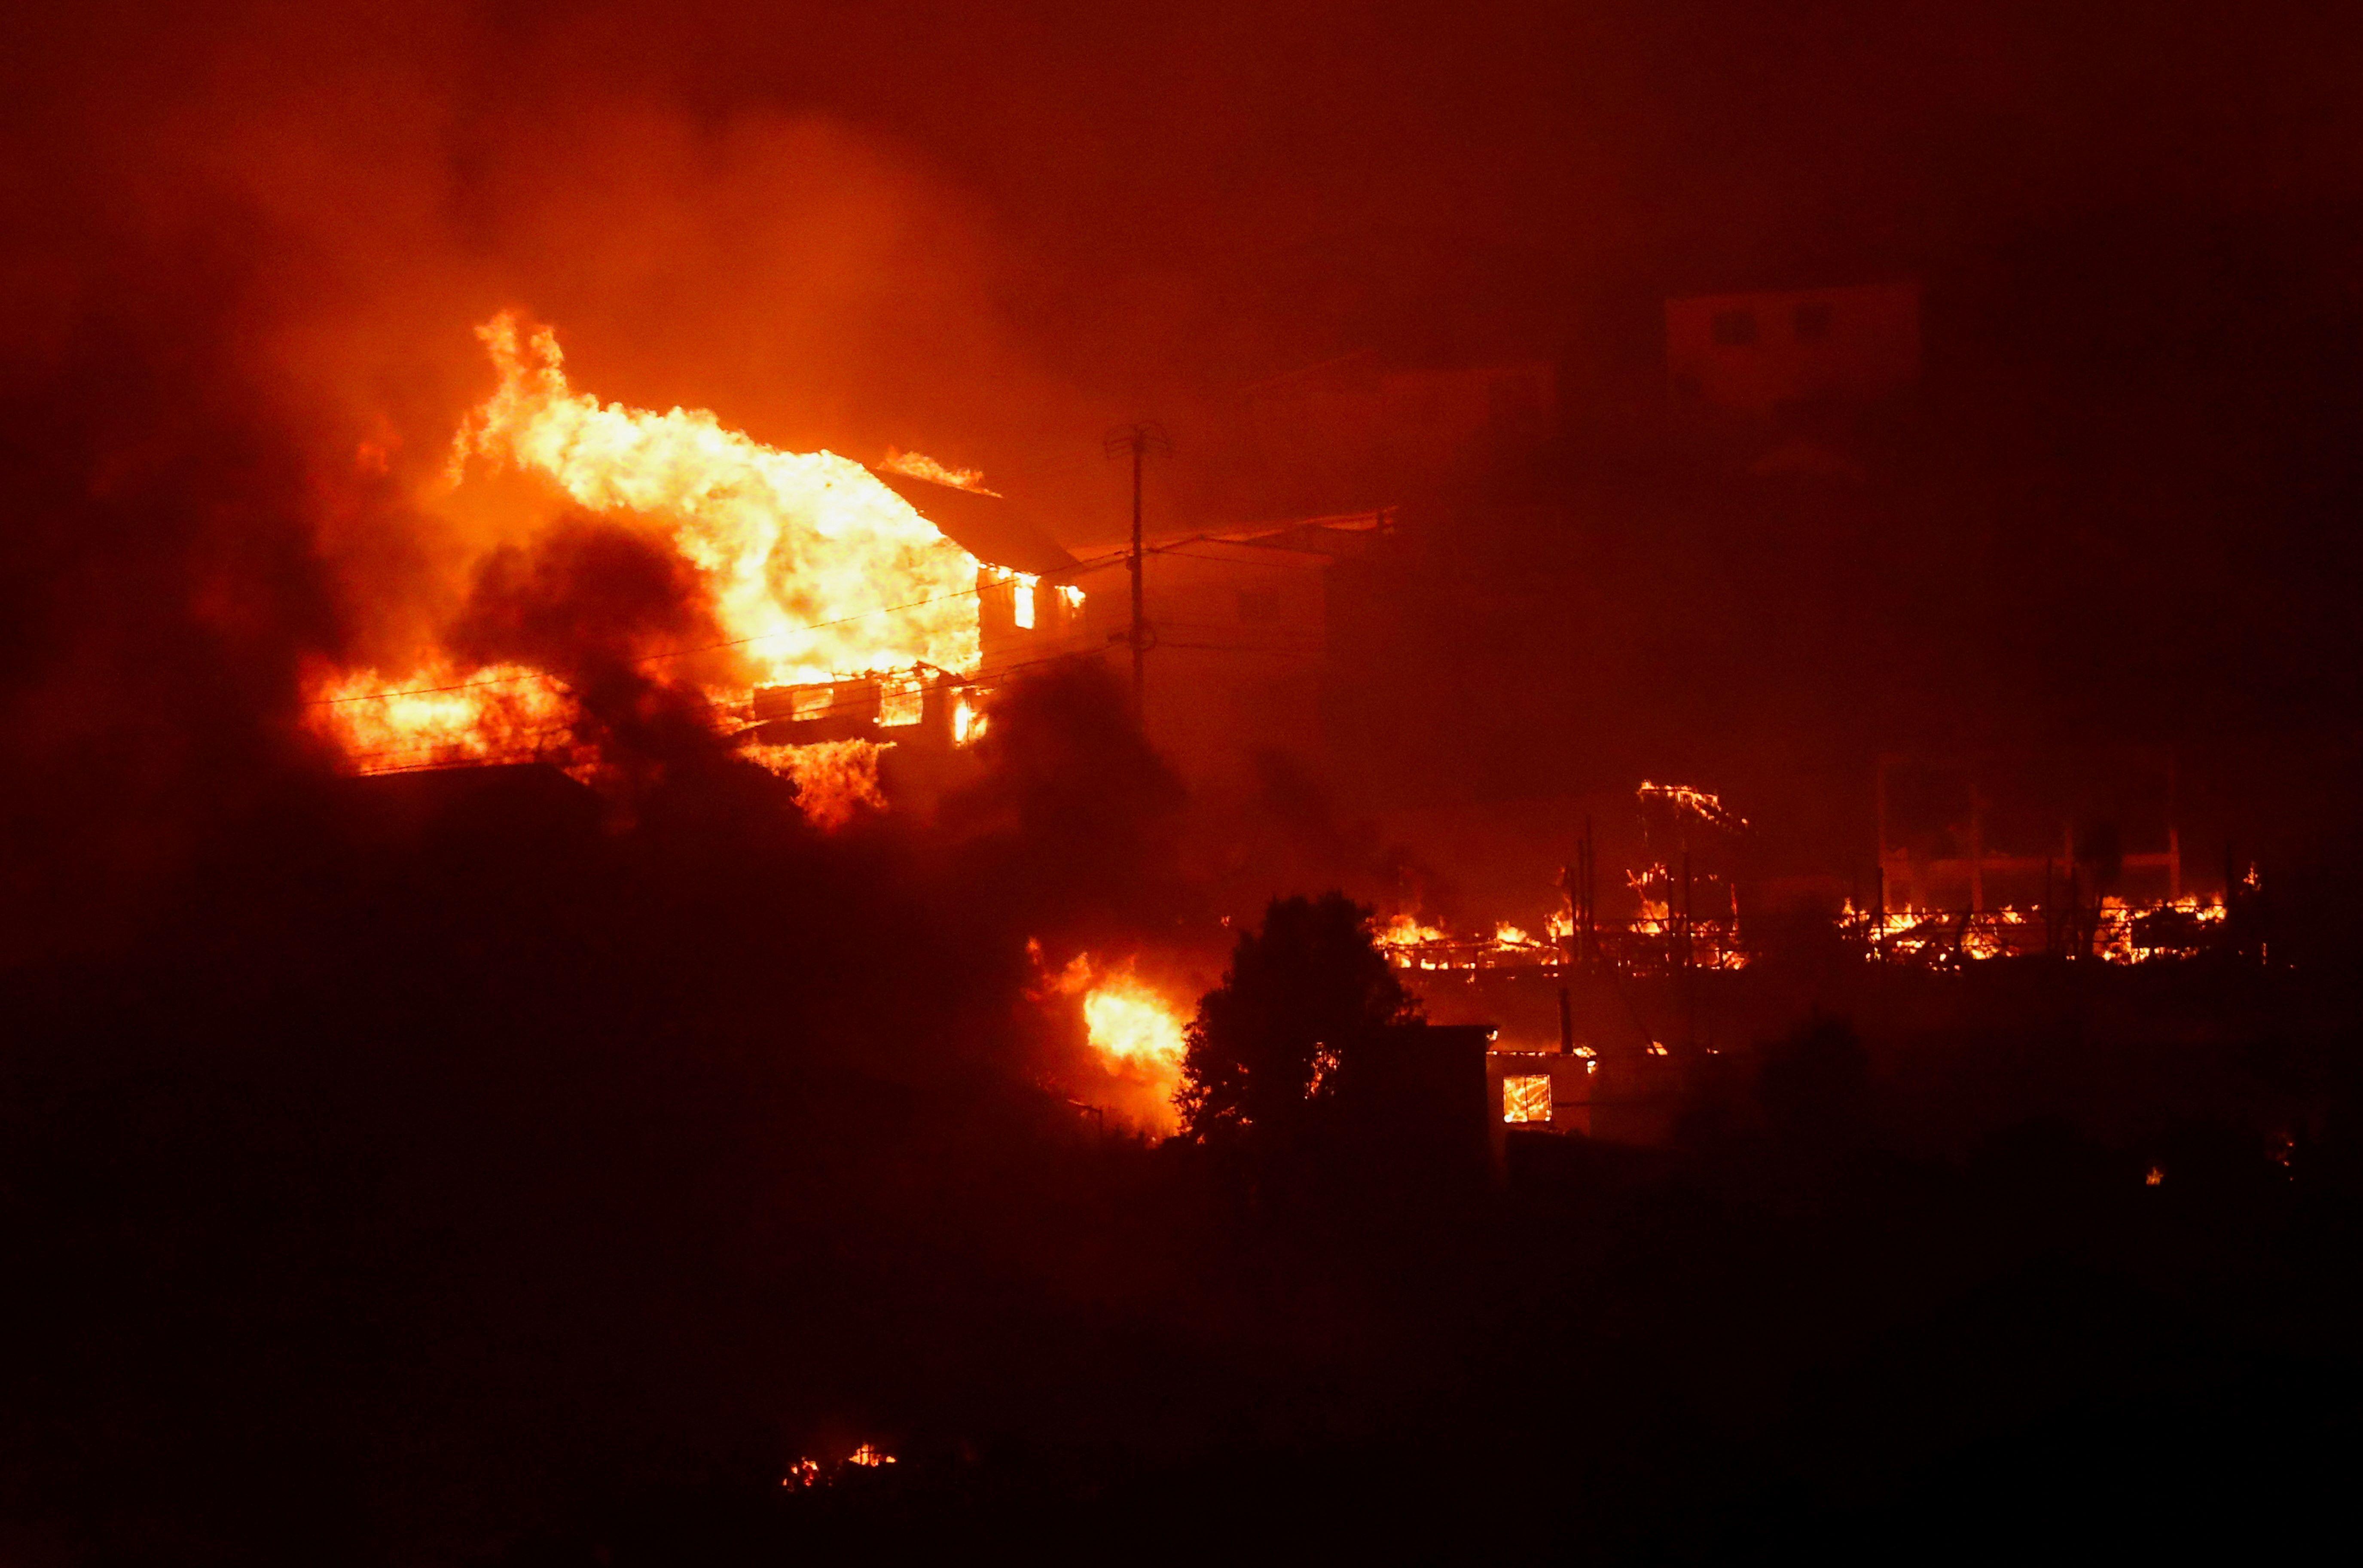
column 995, row 674
column 657, row 657
column 1248, row 562
column 984, row 674
column 1243, row 647
column 432, row 762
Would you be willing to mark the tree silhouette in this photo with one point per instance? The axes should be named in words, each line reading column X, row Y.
column 1300, row 998
column 1812, row 1085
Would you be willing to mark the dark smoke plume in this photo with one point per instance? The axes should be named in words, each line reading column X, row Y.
column 588, row 602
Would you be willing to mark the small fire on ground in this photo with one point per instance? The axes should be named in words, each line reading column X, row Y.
column 808, row 1474
column 1688, row 919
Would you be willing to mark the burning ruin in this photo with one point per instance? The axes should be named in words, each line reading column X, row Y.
column 1687, row 916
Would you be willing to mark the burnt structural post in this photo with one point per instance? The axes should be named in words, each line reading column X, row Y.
column 1591, row 892
column 1571, row 943
column 1138, row 440
column 1689, row 948
column 1690, row 963
column 2173, row 836
column 1879, row 913
column 1977, row 850
column 1879, row 793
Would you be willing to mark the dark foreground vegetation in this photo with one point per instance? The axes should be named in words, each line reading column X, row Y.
column 463, row 1177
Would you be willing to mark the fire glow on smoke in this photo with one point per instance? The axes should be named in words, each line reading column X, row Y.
column 814, row 568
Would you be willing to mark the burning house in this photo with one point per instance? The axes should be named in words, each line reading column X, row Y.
column 834, row 620
column 1028, row 611
column 860, row 615
column 853, row 620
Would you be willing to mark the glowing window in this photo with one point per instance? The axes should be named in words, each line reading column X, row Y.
column 902, row 701
column 1025, row 601
column 812, row 701
column 1526, row 1097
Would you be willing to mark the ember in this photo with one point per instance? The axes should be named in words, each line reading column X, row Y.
column 808, row 1474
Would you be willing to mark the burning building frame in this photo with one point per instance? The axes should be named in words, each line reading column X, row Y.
column 1944, row 893
column 1964, row 871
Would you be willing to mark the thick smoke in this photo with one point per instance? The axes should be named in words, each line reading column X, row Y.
column 588, row 602
column 161, row 592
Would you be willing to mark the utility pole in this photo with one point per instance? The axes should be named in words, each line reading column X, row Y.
column 1568, row 948
column 1138, row 439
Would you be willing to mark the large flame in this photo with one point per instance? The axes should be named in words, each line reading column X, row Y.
column 813, row 567
column 1138, row 1037
column 439, row 713
column 1131, row 1026
column 816, row 567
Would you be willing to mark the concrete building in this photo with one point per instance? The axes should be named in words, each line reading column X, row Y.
column 1767, row 355
column 1354, row 432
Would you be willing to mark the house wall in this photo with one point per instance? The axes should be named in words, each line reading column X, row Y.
column 1756, row 353
column 1240, row 634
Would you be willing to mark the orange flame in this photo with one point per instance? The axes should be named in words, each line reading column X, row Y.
column 968, row 721
column 834, row 778
column 1704, row 804
column 1139, row 1038
column 442, row 715
column 817, row 568
column 918, row 465
column 1131, row 1026
column 1405, row 931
